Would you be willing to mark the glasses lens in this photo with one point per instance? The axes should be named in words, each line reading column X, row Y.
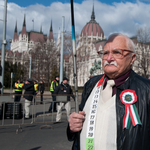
column 104, row 54
column 114, row 53
column 117, row 53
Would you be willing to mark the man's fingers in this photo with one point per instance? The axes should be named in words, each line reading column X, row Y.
column 76, row 121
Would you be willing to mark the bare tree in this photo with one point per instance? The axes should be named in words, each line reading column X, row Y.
column 143, row 51
column 44, row 62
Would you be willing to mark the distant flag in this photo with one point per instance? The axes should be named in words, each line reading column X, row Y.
column 33, row 24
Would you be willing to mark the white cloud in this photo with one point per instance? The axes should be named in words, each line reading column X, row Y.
column 119, row 17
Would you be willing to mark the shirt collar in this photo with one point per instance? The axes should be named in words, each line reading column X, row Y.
column 120, row 80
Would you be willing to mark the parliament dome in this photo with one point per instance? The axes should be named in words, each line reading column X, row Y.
column 92, row 28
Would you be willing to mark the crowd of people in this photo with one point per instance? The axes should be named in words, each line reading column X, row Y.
column 32, row 88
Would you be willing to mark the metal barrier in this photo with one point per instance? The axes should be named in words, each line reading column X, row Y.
column 39, row 112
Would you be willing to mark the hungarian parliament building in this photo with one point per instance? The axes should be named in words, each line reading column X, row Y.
column 90, row 42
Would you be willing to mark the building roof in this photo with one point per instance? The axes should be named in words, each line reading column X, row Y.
column 37, row 36
column 92, row 27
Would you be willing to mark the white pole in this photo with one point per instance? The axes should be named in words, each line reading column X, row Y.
column 62, row 51
column 3, row 44
column 11, row 82
column 30, row 67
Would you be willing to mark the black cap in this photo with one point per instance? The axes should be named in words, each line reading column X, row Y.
column 30, row 80
column 65, row 79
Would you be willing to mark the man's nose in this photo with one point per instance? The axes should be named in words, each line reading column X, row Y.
column 110, row 57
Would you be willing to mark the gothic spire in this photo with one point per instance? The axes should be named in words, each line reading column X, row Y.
column 51, row 29
column 93, row 14
column 16, row 27
column 24, row 26
column 24, row 22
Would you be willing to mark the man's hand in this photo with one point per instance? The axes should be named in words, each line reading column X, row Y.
column 76, row 121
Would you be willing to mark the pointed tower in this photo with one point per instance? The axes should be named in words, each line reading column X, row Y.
column 24, row 26
column 93, row 14
column 51, row 32
column 15, row 33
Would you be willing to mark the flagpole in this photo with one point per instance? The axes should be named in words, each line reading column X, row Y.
column 74, row 58
column 33, row 24
column 75, row 69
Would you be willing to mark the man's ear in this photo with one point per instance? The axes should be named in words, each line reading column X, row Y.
column 133, row 58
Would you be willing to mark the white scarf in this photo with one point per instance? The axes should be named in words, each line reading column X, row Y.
column 104, row 133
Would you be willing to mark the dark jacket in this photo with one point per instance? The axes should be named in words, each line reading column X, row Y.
column 1, row 85
column 42, row 88
column 29, row 89
column 134, row 138
column 63, row 89
column 54, row 84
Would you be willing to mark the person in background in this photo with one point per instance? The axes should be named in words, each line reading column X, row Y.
column 63, row 89
column 36, row 88
column 53, row 86
column 18, row 90
column 28, row 95
column 41, row 88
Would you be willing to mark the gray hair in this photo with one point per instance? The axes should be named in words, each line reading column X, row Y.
column 129, row 43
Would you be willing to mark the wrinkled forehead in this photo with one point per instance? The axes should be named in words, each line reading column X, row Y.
column 116, row 41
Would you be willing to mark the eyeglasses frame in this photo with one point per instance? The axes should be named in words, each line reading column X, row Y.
column 130, row 51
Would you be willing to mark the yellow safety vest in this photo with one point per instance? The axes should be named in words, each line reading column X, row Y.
column 18, row 85
column 35, row 87
column 51, row 87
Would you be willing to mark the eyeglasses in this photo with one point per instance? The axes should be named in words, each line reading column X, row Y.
column 116, row 53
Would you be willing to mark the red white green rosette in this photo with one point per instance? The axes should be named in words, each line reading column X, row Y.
column 128, row 98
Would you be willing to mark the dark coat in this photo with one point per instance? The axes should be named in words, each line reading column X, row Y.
column 134, row 138
column 63, row 90
column 42, row 88
column 29, row 89
column 0, row 85
column 54, row 84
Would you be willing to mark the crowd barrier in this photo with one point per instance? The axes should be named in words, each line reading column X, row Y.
column 39, row 113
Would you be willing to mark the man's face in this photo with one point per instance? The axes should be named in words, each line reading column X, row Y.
column 122, row 65
column 57, row 78
column 18, row 81
column 65, row 81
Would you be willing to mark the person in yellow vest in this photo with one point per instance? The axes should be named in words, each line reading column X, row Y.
column 18, row 90
column 53, row 86
column 36, row 89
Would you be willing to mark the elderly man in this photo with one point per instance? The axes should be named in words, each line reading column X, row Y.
column 115, row 107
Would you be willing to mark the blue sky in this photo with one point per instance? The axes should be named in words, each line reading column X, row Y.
column 113, row 16
column 48, row 2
